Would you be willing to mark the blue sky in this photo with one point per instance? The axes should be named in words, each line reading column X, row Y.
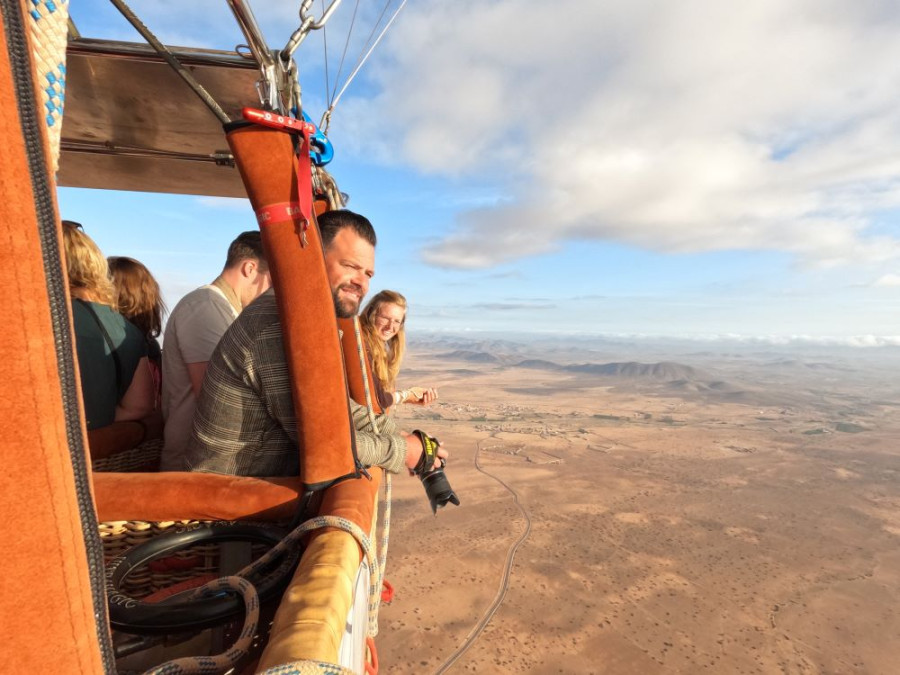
column 656, row 168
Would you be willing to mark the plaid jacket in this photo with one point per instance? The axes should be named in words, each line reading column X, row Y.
column 245, row 423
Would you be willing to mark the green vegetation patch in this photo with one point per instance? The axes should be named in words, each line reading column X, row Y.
column 606, row 417
column 813, row 432
column 481, row 418
column 849, row 427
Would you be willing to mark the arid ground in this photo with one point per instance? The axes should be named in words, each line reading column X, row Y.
column 663, row 511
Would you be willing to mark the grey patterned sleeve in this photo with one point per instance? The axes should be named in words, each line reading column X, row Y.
column 386, row 449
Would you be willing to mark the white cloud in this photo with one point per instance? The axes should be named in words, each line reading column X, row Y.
column 799, row 340
column 689, row 126
column 889, row 280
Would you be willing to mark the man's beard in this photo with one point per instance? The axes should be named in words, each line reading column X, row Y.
column 345, row 309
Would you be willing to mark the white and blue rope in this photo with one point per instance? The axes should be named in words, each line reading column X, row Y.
column 48, row 24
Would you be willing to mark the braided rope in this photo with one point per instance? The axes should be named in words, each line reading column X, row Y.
column 48, row 25
column 385, row 540
column 349, row 526
column 365, row 374
column 190, row 665
column 308, row 668
column 385, row 532
column 326, row 185
column 222, row 662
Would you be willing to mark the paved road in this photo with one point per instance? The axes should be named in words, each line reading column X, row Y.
column 504, row 581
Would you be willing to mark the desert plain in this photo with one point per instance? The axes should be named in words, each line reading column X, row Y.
column 650, row 508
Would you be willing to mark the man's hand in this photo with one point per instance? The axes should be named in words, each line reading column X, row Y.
column 414, row 452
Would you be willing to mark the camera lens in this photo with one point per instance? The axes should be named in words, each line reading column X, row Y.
column 438, row 489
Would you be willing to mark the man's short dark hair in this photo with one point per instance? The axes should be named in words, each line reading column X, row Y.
column 247, row 246
column 332, row 222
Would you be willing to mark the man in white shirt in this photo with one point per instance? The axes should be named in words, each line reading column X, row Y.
column 194, row 329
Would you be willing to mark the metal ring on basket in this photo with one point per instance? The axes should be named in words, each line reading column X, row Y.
column 182, row 612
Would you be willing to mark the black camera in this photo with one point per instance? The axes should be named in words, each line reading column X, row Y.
column 437, row 487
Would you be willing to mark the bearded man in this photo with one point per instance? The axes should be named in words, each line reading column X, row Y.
column 245, row 422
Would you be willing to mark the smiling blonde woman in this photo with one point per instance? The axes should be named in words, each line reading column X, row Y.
column 384, row 327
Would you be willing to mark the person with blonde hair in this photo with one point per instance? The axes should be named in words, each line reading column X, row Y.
column 139, row 300
column 383, row 324
column 116, row 382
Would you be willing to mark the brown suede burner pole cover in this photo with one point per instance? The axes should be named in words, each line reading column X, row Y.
column 354, row 369
column 278, row 182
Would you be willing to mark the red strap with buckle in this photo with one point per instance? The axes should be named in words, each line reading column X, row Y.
column 300, row 211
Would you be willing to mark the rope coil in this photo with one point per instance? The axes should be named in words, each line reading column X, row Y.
column 221, row 662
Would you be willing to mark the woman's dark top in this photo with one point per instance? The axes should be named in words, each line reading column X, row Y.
column 103, row 383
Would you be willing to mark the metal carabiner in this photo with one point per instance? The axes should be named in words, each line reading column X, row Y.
column 316, row 25
column 307, row 24
column 320, row 149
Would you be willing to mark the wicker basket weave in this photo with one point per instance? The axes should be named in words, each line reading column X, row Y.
column 143, row 457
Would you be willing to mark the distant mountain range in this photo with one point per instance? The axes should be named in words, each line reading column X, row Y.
column 753, row 374
column 796, row 363
column 469, row 356
column 664, row 371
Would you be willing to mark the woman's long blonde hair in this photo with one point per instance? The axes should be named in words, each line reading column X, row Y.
column 86, row 266
column 386, row 356
column 138, row 297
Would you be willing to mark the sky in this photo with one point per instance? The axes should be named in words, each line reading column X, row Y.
column 693, row 169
